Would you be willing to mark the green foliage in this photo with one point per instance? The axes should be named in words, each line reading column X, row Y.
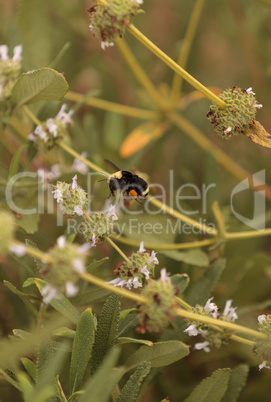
column 131, row 389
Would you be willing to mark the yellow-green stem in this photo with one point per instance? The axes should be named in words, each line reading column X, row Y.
column 118, row 290
column 246, row 235
column 242, row 340
column 175, row 67
column 185, row 49
column 183, row 303
column 31, row 115
column 165, row 246
column 220, row 323
column 113, row 107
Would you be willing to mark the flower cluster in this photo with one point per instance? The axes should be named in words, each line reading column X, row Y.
column 263, row 347
column 160, row 309
column 239, row 114
column 68, row 261
column 213, row 338
column 109, row 21
column 71, row 198
column 50, row 132
column 137, row 271
column 100, row 227
column 10, row 69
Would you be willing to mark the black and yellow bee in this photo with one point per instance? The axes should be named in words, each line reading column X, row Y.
column 128, row 183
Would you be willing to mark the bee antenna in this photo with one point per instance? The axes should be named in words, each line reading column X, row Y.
column 104, row 174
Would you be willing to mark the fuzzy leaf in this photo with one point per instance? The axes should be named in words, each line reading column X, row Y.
column 211, row 389
column 26, row 386
column 43, row 84
column 37, row 260
column 131, row 389
column 107, row 330
column 101, row 384
column 181, row 281
column 236, row 383
column 194, row 257
column 30, row 367
column 159, row 354
column 125, row 339
column 259, row 135
column 45, row 358
column 62, row 305
column 202, row 289
column 81, row 348
column 65, row 332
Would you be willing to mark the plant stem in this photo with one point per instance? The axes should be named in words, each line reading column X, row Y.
column 113, row 107
column 34, row 252
column 220, row 323
column 118, row 290
column 185, row 49
column 165, row 246
column 246, row 235
column 31, row 115
column 183, row 303
column 175, row 67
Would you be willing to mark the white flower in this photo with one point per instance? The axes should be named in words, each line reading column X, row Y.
column 249, row 91
column 211, row 308
column 58, row 195
column 17, row 53
column 263, row 364
column 164, row 276
column 74, row 182
column 139, row 2
column 141, row 247
column 258, row 106
column 41, row 133
column 105, row 44
column 94, row 240
column 78, row 265
column 192, row 330
column 153, row 258
column 61, row 241
column 31, row 136
column 49, row 293
column 262, row 318
column 79, row 166
column 4, row 52
column 64, row 117
column 145, row 271
column 136, row 283
column 84, row 248
column 52, row 127
column 54, row 172
column 18, row 249
column 71, row 289
column 118, row 282
column 202, row 345
column 111, row 213
column 229, row 312
column 227, row 131
column 78, row 210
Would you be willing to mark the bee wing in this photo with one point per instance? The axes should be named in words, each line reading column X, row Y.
column 112, row 164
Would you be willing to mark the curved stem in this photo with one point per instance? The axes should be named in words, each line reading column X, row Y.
column 175, row 67
column 113, row 107
column 246, row 235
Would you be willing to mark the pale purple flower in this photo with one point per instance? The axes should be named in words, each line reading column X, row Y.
column 74, row 182
column 64, row 117
column 118, row 282
column 153, row 258
column 141, row 247
column 263, row 365
column 258, row 106
column 202, row 345
column 111, row 213
column 192, row 330
column 250, row 92
column 49, row 293
column 4, row 52
column 105, row 44
column 79, row 166
column 145, row 271
column 164, row 276
column 136, row 283
column 71, row 289
column 229, row 312
column 94, row 241
column 262, row 318
column 17, row 53
column 78, row 211
column 52, row 127
column 84, row 248
column 211, row 308
column 41, row 133
column 58, row 195
column 18, row 249
column 61, row 241
column 78, row 265
column 227, row 131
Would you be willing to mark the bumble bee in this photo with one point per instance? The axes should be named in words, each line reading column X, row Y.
column 129, row 183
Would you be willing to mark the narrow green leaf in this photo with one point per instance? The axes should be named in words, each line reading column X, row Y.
column 202, row 289
column 30, row 367
column 14, row 383
column 193, row 257
column 101, row 384
column 236, row 383
column 81, row 349
column 181, row 281
column 26, row 386
column 96, row 264
column 65, row 332
column 131, row 389
column 124, row 339
column 107, row 330
column 21, row 334
column 62, row 305
column 14, row 165
column 211, row 389
column 159, row 354
column 14, row 290
column 45, row 358
column 60, row 392
column 38, row 262
column 42, row 84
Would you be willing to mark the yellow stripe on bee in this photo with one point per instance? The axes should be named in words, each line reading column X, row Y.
column 146, row 191
column 117, row 175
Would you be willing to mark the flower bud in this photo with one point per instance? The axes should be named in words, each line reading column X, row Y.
column 10, row 69
column 71, row 198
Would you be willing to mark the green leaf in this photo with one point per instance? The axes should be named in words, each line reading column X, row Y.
column 60, row 392
column 36, row 260
column 203, row 288
column 81, row 349
column 14, row 165
column 181, row 281
column 20, row 333
column 236, row 383
column 30, row 223
column 125, row 339
column 62, row 305
column 26, row 386
column 43, row 84
column 107, row 330
column 14, row 383
column 101, row 384
column 211, row 389
column 23, row 296
column 30, row 367
column 96, row 264
column 131, row 389
column 193, row 257
column 159, row 354
column 45, row 358
column 65, row 332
